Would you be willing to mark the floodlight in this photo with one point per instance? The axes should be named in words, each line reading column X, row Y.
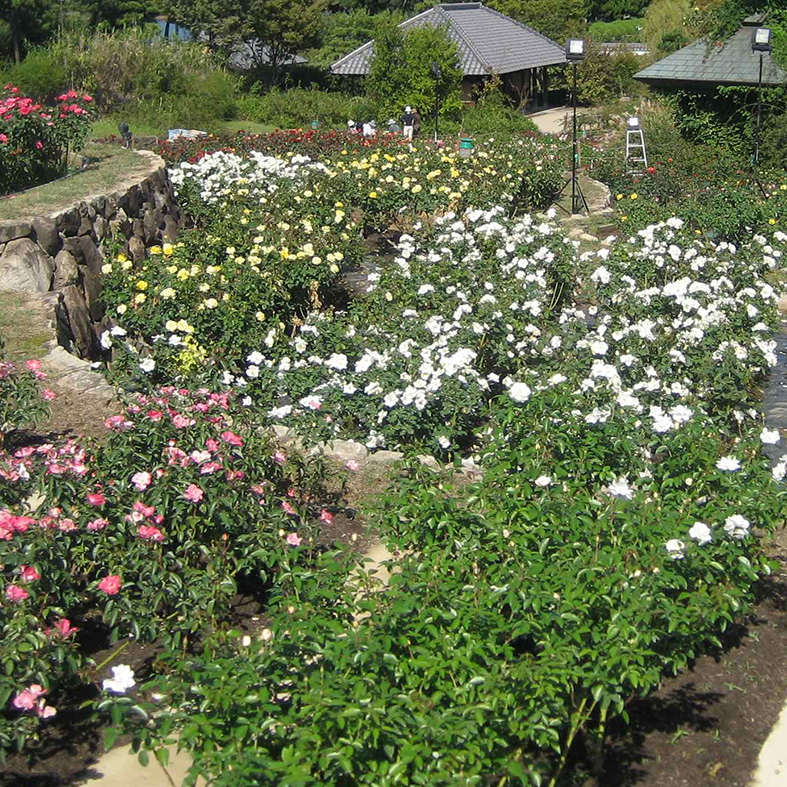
column 761, row 39
column 633, row 123
column 575, row 49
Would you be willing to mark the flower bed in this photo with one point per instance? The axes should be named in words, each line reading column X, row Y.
column 611, row 396
column 616, row 533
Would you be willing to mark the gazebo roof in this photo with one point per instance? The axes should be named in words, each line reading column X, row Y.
column 732, row 63
column 489, row 42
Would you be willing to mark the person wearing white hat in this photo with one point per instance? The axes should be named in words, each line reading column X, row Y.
column 407, row 122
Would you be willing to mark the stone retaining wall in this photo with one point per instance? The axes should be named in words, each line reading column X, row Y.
column 63, row 252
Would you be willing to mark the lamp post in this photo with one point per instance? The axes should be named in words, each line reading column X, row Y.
column 760, row 42
column 437, row 74
column 575, row 53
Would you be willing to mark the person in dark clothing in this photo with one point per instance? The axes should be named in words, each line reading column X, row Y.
column 416, row 124
column 408, row 120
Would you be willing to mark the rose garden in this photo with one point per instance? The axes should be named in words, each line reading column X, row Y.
column 580, row 487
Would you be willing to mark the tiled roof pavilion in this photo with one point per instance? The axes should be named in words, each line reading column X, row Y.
column 733, row 63
column 489, row 42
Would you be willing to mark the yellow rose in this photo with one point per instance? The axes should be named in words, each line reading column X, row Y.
column 122, row 258
column 417, row 188
column 210, row 303
column 168, row 249
column 140, row 298
column 634, row 196
column 122, row 308
column 171, row 326
column 260, row 316
column 167, row 293
column 154, row 250
column 106, row 268
column 373, row 195
column 142, row 285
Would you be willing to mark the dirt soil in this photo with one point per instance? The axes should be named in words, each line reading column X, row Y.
column 705, row 727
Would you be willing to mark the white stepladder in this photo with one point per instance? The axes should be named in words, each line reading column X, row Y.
column 636, row 154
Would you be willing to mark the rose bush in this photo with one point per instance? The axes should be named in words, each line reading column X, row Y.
column 148, row 536
column 35, row 140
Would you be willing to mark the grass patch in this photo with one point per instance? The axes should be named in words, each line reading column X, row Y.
column 23, row 334
column 114, row 165
column 107, row 127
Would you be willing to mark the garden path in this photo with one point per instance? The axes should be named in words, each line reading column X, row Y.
column 772, row 763
column 84, row 399
column 550, row 121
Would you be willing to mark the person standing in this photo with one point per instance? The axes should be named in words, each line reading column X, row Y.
column 416, row 124
column 408, row 120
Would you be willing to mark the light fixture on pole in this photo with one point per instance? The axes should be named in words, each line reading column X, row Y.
column 437, row 74
column 576, row 51
column 760, row 42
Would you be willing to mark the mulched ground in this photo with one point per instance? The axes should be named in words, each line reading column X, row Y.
column 703, row 728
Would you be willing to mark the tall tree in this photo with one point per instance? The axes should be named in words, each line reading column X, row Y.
column 283, row 28
column 223, row 23
column 557, row 19
column 118, row 13
column 26, row 21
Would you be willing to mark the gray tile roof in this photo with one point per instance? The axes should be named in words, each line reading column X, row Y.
column 488, row 41
column 731, row 64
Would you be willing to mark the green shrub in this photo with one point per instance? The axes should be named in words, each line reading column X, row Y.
column 401, row 72
column 148, row 79
column 602, row 78
column 619, row 30
column 40, row 75
column 296, row 108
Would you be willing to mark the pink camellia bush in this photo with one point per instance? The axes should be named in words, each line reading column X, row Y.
column 35, row 139
column 155, row 528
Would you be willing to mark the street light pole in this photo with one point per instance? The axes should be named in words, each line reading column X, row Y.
column 759, row 117
column 574, row 206
column 760, row 42
column 436, row 73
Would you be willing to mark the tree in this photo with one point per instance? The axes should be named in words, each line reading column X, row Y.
column 557, row 19
column 402, row 73
column 222, row 22
column 665, row 26
column 341, row 33
column 612, row 10
column 25, row 21
column 118, row 13
column 283, row 27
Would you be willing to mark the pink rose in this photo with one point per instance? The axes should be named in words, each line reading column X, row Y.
column 29, row 574
column 33, row 365
column 110, row 584
column 231, row 438
column 294, row 540
column 352, row 466
column 96, row 498
column 97, row 524
column 181, row 422
column 63, row 628
column 193, row 493
column 155, row 415
column 287, row 507
column 48, row 395
column 16, row 594
column 280, row 458
column 26, row 700
column 150, row 533
column 141, row 481
column 326, row 516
